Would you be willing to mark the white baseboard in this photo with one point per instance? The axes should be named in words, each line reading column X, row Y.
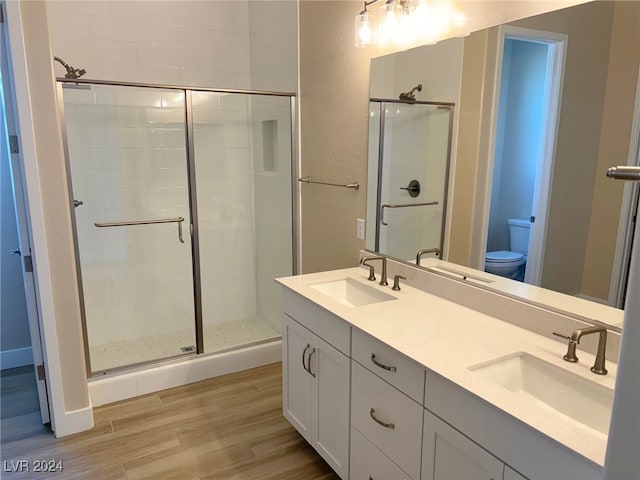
column 75, row 421
column 153, row 379
column 18, row 357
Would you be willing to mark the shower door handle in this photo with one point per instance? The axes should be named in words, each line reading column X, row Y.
column 177, row 220
column 402, row 205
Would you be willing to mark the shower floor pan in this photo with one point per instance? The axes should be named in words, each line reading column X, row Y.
column 217, row 338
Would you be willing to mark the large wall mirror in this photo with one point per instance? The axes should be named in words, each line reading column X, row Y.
column 541, row 108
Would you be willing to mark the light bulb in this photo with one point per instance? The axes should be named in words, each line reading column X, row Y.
column 365, row 29
column 392, row 10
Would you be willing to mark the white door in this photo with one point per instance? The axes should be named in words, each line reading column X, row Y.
column 11, row 142
column 331, row 404
column 297, row 381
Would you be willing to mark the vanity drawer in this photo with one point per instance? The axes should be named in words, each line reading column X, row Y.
column 367, row 462
column 387, row 418
column 321, row 322
column 389, row 364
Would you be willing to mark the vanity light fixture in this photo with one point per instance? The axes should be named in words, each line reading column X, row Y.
column 366, row 26
column 403, row 22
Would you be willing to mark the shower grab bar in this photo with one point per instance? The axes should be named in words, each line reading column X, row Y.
column 354, row 185
column 402, row 205
column 177, row 220
column 624, row 173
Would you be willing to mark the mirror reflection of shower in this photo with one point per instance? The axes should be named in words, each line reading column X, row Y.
column 71, row 72
column 410, row 96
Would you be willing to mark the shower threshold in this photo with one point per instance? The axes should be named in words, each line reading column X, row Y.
column 218, row 338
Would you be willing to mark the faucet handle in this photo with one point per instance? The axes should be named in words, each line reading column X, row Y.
column 372, row 273
column 396, row 282
column 570, row 356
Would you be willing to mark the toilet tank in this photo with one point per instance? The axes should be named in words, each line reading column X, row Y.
column 519, row 232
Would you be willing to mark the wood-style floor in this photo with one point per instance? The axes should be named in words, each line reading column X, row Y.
column 229, row 427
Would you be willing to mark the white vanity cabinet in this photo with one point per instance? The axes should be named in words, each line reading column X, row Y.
column 373, row 411
column 490, row 440
column 316, row 386
column 448, row 454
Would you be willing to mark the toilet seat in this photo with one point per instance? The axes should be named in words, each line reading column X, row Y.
column 504, row 257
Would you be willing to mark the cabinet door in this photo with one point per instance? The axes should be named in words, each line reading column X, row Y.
column 331, row 405
column 297, row 382
column 449, row 455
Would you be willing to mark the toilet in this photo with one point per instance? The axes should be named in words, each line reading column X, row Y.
column 511, row 263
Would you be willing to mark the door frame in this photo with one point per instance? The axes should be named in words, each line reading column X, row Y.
column 557, row 43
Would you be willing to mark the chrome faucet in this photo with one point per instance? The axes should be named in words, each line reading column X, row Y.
column 383, row 280
column 574, row 340
column 428, row 250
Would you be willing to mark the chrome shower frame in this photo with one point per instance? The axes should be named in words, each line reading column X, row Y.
column 382, row 103
column 193, row 208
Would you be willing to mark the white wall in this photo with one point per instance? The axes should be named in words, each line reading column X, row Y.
column 177, row 43
column 401, row 71
column 273, row 42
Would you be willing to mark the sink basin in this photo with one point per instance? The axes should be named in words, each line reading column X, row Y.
column 350, row 292
column 552, row 387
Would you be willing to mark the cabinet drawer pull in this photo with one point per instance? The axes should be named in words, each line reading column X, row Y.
column 380, row 422
column 313, row 350
column 304, row 352
column 381, row 365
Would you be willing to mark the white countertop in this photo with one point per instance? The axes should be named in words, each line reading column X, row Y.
column 447, row 339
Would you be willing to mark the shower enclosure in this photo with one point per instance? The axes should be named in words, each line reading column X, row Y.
column 409, row 151
column 183, row 216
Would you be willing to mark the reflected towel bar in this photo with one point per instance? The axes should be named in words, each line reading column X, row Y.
column 624, row 173
column 402, row 205
column 177, row 220
column 354, row 185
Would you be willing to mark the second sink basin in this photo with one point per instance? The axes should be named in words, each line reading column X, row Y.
column 350, row 292
column 552, row 387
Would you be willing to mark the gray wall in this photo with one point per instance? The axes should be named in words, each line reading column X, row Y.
column 14, row 326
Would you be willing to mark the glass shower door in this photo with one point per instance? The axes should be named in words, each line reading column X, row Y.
column 413, row 176
column 242, row 151
column 128, row 167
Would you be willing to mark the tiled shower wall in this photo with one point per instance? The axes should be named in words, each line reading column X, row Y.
column 219, row 44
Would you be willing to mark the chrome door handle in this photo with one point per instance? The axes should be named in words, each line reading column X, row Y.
column 380, row 422
column 381, row 365
column 177, row 220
